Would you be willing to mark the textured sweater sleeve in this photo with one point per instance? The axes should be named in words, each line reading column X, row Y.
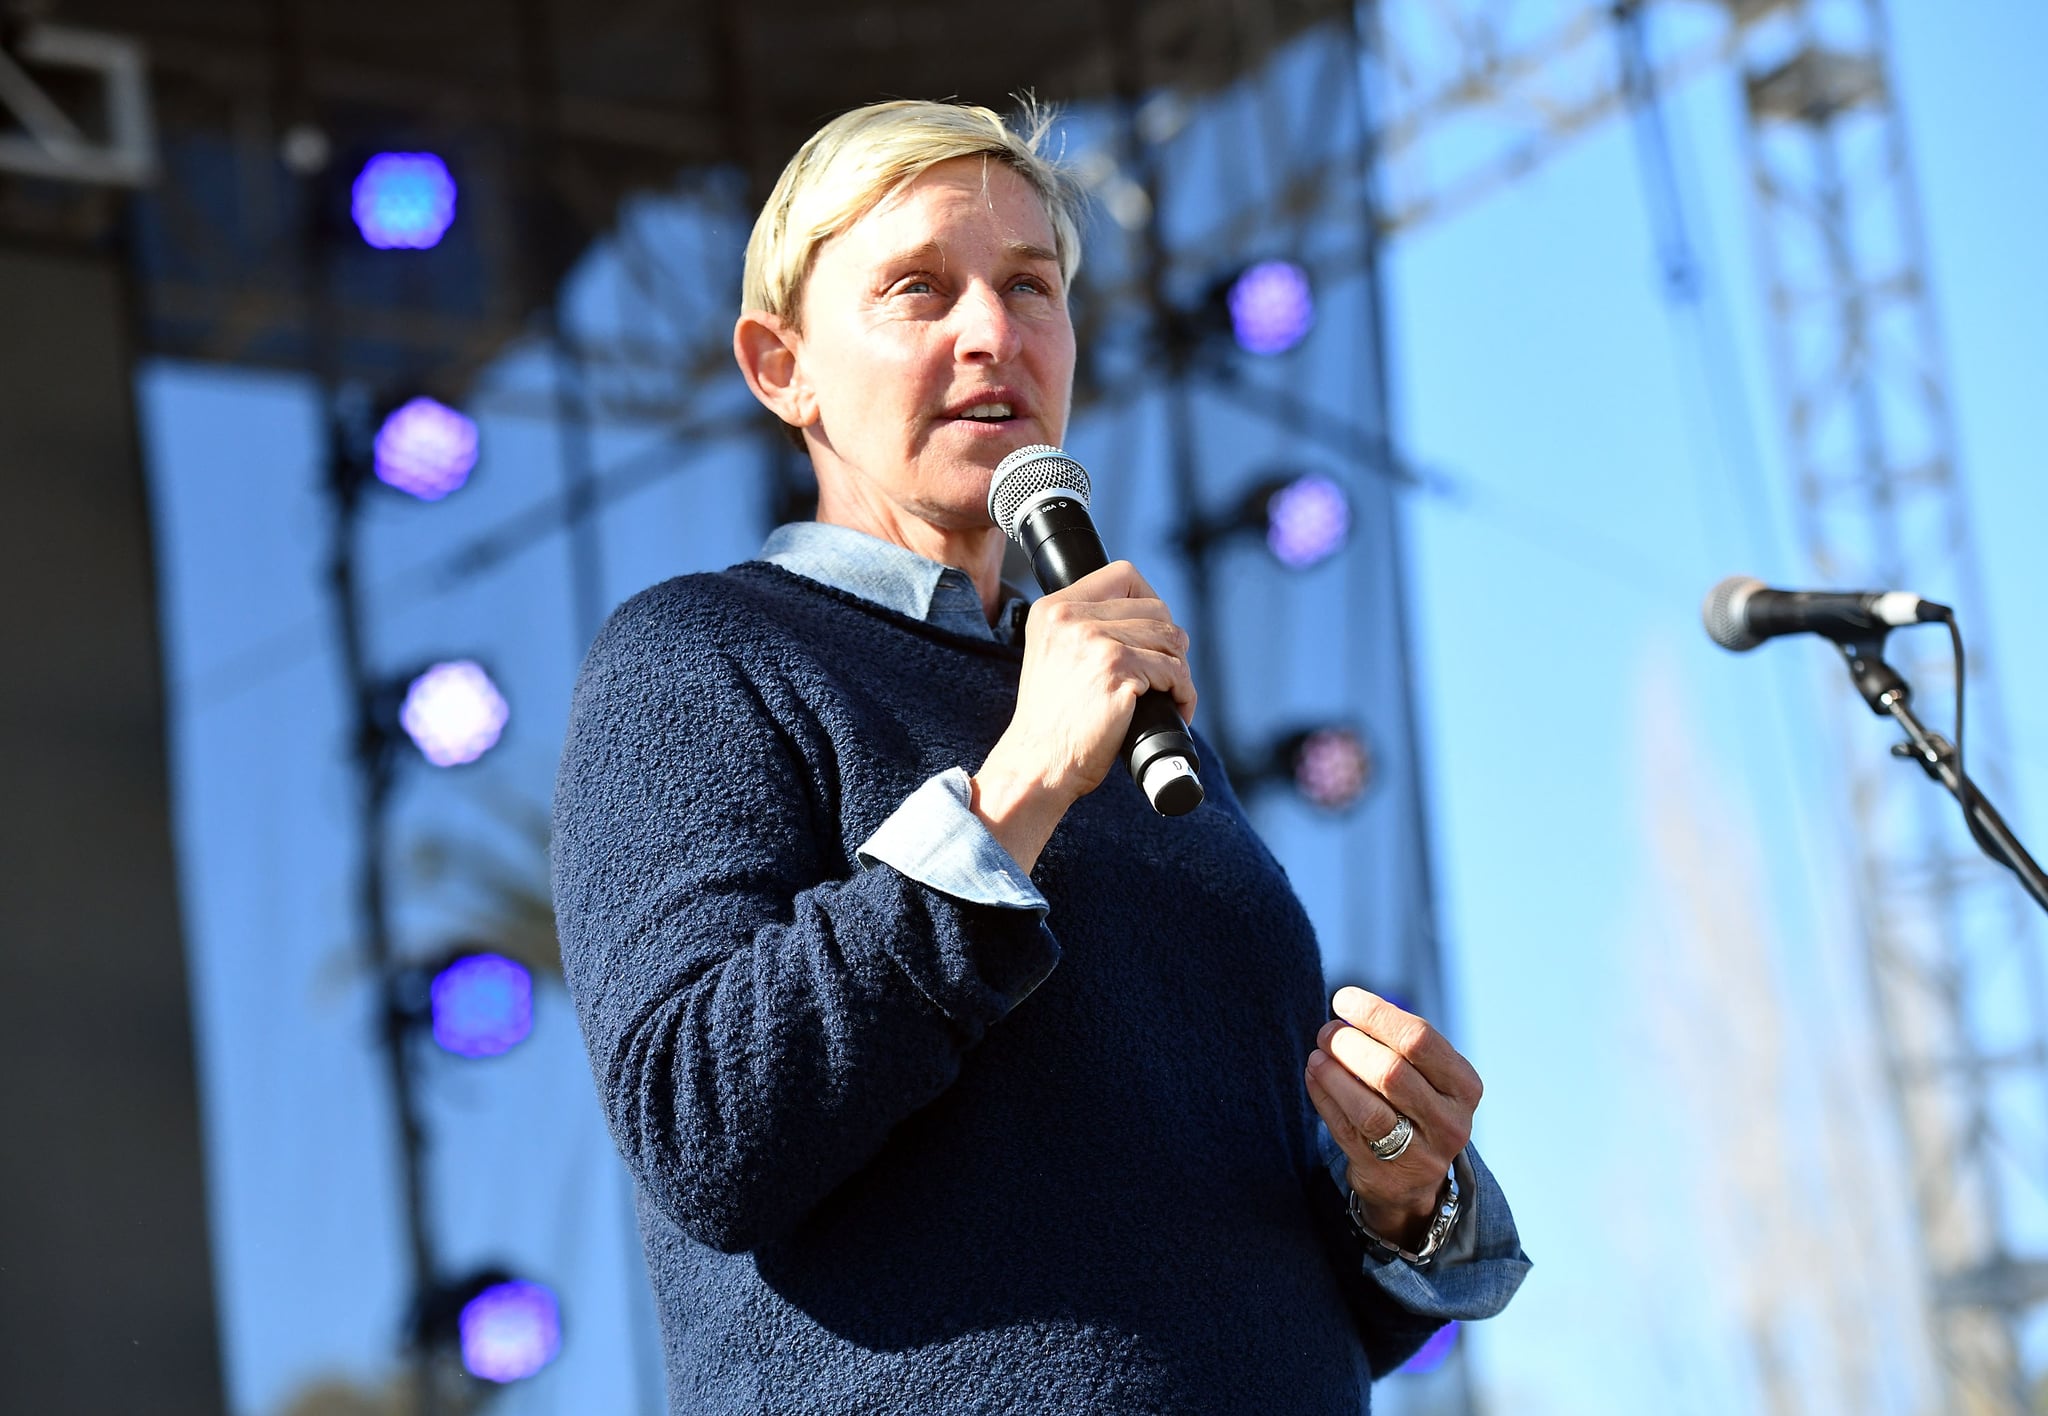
column 758, row 1016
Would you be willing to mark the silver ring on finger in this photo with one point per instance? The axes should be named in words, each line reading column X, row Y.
column 1391, row 1145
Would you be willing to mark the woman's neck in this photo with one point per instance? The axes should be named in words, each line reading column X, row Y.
column 977, row 550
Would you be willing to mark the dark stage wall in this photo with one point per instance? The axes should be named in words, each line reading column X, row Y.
column 106, row 1293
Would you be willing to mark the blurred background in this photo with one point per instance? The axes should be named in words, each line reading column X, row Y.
column 1437, row 356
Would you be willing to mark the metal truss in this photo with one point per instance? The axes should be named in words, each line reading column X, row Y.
column 1953, row 954
column 1476, row 93
column 50, row 140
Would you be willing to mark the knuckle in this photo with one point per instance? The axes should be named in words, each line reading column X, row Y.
column 1377, row 1121
column 1395, row 1076
column 1338, row 1119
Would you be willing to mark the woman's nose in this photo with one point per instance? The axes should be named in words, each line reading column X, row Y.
column 987, row 331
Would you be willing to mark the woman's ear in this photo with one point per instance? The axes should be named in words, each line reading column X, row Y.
column 768, row 355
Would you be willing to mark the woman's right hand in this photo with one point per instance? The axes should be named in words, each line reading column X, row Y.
column 1090, row 650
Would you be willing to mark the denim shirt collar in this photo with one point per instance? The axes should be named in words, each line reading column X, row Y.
column 893, row 577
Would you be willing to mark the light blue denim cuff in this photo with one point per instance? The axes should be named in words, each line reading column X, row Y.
column 1476, row 1271
column 936, row 839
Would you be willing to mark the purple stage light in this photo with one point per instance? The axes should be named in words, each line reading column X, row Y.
column 482, row 1005
column 403, row 201
column 1271, row 307
column 1433, row 1353
column 1307, row 521
column 453, row 713
column 1332, row 767
column 425, row 449
column 510, row 1331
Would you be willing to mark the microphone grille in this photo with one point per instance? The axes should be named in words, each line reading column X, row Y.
column 1026, row 474
column 1724, row 612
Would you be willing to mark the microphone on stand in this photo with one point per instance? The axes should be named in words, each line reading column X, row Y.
column 1039, row 497
column 1742, row 612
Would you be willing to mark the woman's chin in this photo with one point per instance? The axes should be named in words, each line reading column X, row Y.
column 958, row 498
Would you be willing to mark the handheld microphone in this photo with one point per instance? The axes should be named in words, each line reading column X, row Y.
column 1741, row 613
column 1040, row 499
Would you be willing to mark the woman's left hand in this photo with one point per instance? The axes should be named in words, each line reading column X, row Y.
column 1372, row 1061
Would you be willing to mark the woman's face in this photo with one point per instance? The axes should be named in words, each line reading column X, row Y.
column 935, row 340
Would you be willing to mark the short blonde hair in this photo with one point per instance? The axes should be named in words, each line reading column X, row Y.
column 860, row 159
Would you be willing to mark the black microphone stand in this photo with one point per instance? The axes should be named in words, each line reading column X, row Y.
column 1888, row 695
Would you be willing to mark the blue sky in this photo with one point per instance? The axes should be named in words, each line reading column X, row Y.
column 1639, row 839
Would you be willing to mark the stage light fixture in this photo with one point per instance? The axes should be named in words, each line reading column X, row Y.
column 503, row 1328
column 510, row 1330
column 1331, row 767
column 403, row 201
column 1272, row 306
column 1307, row 520
column 425, row 449
column 453, row 713
column 1304, row 518
column 481, row 1005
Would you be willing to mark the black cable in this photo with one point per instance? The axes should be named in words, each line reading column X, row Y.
column 1955, row 635
column 1971, row 796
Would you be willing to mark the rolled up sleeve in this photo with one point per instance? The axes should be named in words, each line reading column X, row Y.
column 1479, row 1268
column 936, row 839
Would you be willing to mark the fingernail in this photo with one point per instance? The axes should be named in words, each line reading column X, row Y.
column 1317, row 1061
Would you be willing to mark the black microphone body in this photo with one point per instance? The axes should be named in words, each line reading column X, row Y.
column 1055, row 530
column 1741, row 613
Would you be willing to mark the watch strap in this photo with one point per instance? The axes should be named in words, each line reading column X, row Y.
column 1440, row 1226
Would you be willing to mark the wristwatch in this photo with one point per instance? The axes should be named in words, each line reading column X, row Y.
column 1439, row 1227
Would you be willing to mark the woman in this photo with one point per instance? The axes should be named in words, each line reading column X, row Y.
column 948, row 1092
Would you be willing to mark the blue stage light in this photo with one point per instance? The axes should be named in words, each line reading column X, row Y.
column 1435, row 1352
column 403, row 201
column 510, row 1331
column 1332, row 767
column 425, row 449
column 482, row 1005
column 453, row 713
column 1272, row 307
column 1307, row 520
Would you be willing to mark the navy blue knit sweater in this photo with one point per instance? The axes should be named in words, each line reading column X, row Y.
column 896, row 1152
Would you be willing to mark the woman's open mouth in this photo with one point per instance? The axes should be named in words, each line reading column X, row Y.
column 994, row 415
